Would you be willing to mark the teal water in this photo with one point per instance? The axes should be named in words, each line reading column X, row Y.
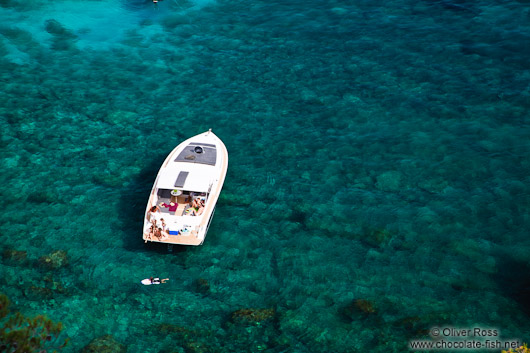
column 378, row 152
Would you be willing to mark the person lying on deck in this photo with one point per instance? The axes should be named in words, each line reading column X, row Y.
column 197, row 207
column 156, row 280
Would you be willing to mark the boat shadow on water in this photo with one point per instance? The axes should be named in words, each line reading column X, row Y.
column 513, row 279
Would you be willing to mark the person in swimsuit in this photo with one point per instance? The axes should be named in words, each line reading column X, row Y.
column 150, row 232
column 197, row 203
column 164, row 229
column 153, row 280
column 158, row 232
column 158, row 280
column 197, row 206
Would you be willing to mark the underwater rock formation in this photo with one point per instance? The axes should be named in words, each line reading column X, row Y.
column 389, row 181
column 359, row 308
column 55, row 286
column 253, row 316
column 179, row 331
column 188, row 339
column 104, row 344
column 55, row 28
column 197, row 347
column 55, row 260
column 36, row 292
column 522, row 349
column 364, row 306
column 413, row 325
column 14, row 256
column 45, row 290
column 376, row 237
column 202, row 285
column 24, row 334
column 63, row 38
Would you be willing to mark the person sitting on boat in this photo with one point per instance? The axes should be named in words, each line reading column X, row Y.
column 150, row 231
column 172, row 206
column 158, row 232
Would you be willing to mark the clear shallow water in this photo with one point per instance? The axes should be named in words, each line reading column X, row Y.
column 378, row 151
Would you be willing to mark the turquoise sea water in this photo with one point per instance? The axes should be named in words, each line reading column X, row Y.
column 378, row 183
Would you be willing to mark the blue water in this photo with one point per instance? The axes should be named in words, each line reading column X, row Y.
column 378, row 154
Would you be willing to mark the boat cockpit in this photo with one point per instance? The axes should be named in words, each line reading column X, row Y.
column 178, row 202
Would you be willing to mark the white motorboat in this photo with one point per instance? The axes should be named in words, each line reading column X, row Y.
column 186, row 191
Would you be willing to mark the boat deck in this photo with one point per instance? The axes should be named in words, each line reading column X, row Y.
column 183, row 206
column 189, row 238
